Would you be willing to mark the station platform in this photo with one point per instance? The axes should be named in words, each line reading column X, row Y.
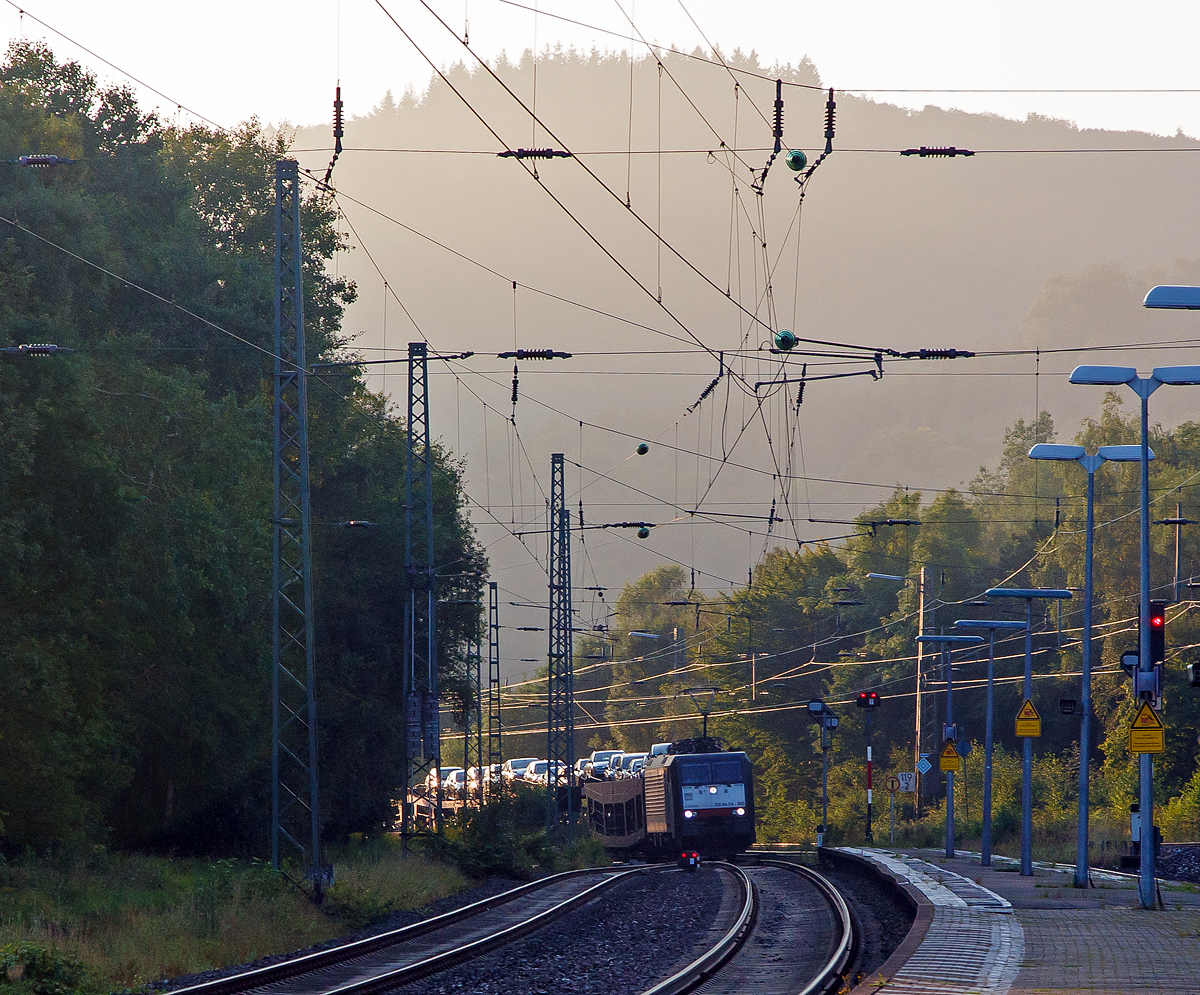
column 990, row 931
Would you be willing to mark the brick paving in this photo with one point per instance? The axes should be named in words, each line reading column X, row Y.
column 1066, row 941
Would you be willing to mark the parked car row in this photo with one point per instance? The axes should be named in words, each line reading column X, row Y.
column 602, row 765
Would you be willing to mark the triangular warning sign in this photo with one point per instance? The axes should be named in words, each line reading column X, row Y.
column 1028, row 711
column 1146, row 718
column 948, row 750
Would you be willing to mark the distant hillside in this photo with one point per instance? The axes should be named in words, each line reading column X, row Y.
column 992, row 253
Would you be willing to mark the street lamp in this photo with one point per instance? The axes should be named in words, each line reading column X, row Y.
column 949, row 733
column 1175, row 376
column 1077, row 454
column 975, row 623
column 1028, row 594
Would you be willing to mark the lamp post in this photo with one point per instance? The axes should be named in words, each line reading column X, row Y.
column 1112, row 376
column 975, row 623
column 949, row 733
column 1077, row 454
column 1029, row 594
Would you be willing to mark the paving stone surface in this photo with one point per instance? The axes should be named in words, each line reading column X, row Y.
column 1053, row 940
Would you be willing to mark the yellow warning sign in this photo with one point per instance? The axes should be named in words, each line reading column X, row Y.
column 1146, row 732
column 1029, row 722
column 949, row 760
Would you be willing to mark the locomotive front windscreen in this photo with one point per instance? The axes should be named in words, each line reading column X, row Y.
column 712, row 787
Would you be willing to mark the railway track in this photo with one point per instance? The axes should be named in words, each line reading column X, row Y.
column 793, row 936
column 395, row 958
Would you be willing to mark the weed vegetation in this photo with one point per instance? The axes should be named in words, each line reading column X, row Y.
column 104, row 922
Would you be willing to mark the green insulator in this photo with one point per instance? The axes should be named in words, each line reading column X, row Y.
column 643, row 533
column 642, row 449
column 796, row 160
column 785, row 341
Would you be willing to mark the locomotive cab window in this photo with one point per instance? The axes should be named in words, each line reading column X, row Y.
column 711, row 772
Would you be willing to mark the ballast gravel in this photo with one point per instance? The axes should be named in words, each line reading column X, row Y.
column 881, row 917
column 628, row 938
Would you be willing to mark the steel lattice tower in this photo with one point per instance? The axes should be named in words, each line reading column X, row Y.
column 423, row 729
column 295, row 814
column 495, row 739
column 560, row 711
column 473, row 714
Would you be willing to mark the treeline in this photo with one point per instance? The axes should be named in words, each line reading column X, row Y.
column 812, row 625
column 135, row 488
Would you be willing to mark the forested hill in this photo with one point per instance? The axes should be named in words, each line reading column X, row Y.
column 135, row 487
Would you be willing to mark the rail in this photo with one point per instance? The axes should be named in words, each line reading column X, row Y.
column 247, row 980
column 839, row 960
column 712, row 959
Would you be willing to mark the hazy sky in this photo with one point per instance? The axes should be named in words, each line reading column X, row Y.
column 280, row 61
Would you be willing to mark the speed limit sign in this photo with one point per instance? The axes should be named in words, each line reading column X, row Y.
column 892, row 783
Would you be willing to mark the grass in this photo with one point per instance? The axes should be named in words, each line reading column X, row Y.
column 120, row 921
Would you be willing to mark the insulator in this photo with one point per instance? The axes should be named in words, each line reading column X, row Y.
column 830, row 115
column 534, row 154
column 515, row 382
column 44, row 161
column 785, row 340
column 643, row 533
column 938, row 354
column 778, row 112
column 795, row 160
column 337, row 114
column 642, row 449
column 937, row 151
column 534, row 354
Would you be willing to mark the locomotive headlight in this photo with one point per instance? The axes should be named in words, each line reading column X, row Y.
column 688, row 813
column 740, row 811
column 712, row 791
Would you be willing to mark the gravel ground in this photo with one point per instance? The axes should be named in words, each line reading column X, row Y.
column 881, row 917
column 1180, row 862
column 619, row 944
column 397, row 920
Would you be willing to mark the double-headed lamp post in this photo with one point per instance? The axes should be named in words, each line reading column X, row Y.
column 949, row 733
column 985, row 859
column 1029, row 594
column 1173, row 376
column 1077, row 454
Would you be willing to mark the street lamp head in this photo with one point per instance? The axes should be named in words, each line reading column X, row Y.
column 1103, row 376
column 1122, row 454
column 1049, row 450
column 985, row 623
column 898, row 579
column 952, row 641
column 644, row 635
column 1028, row 592
column 1177, row 376
column 1173, row 298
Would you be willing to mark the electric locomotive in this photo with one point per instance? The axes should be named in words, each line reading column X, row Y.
column 698, row 797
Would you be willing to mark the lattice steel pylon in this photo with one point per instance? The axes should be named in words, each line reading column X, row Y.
column 422, row 768
column 495, row 752
column 295, row 813
column 473, row 716
column 560, row 678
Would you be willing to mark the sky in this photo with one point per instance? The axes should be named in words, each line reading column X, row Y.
column 228, row 61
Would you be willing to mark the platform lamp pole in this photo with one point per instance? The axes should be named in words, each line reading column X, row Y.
column 1029, row 594
column 1077, row 454
column 949, row 733
column 975, row 623
column 1177, row 298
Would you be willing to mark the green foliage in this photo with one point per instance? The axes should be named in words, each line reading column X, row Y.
column 40, row 970
column 135, row 537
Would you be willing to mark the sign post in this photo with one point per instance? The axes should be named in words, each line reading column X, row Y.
column 893, row 785
column 1147, row 734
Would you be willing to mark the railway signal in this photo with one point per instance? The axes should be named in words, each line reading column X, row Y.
column 1158, row 631
column 870, row 701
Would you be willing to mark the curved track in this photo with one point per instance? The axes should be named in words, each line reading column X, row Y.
column 392, row 959
column 794, row 937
